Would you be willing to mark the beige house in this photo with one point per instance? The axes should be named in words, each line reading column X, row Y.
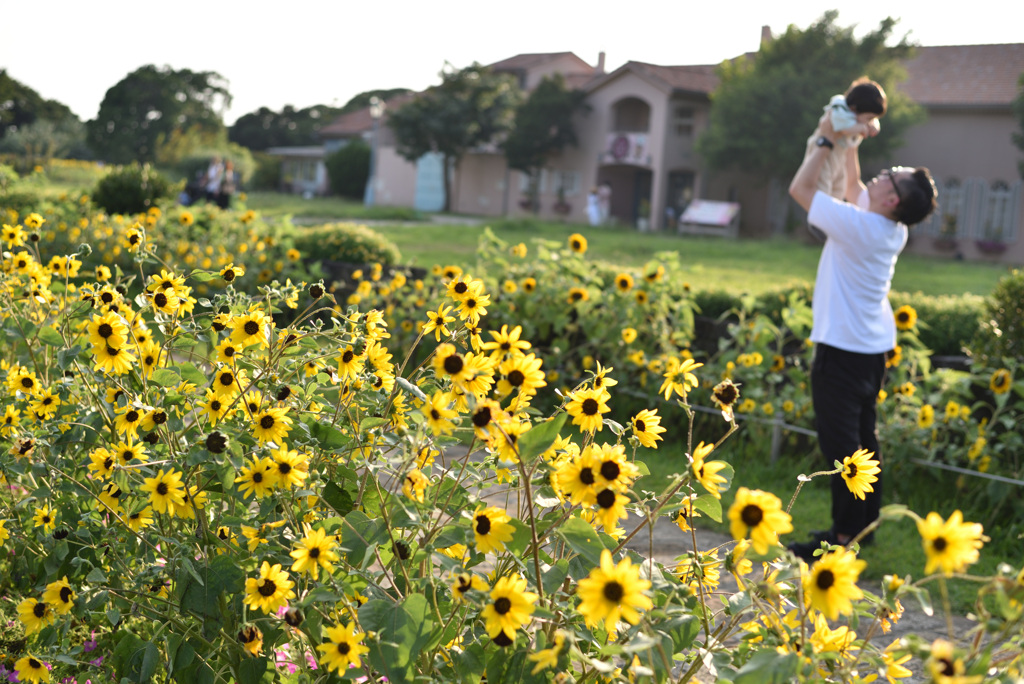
column 639, row 134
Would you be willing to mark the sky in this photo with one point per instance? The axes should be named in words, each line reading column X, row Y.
column 306, row 52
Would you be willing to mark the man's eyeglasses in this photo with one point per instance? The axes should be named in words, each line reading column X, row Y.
column 891, row 173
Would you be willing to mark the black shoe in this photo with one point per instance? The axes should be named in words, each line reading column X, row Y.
column 805, row 550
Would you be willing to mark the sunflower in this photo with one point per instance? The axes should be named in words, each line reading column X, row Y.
column 314, row 551
column 758, row 515
column 1001, row 381
column 466, row 581
column 215, row 407
column 251, row 328
column 641, row 297
column 701, row 569
column 252, row 640
column 529, row 285
column 510, row 606
column 101, row 463
column 343, row 648
column 437, row 322
column 473, row 307
column 113, row 360
column 290, row 468
column 165, row 491
column 491, row 529
column 258, row 477
column 926, row 416
column 60, row 596
column 578, row 294
column 271, row 424
column 45, row 404
column 109, row 330
column 128, row 420
column 706, row 472
column 687, row 512
column 647, row 428
column 35, row 615
column 951, row 545
column 139, row 520
column 448, row 362
column 586, row 406
column 859, row 471
column 506, row 343
column 906, row 317
column 522, row 372
column 31, row 669
column 894, row 666
column 831, row 583
column 438, row 414
column 629, row 335
column 679, row 377
column 610, row 508
column 4, row 534
column 44, row 517
column 611, row 467
column 270, row 591
column 578, row 243
column 485, row 418
column 946, row 668
column 612, row 592
column 724, row 395
column 110, row 498
column 623, row 282
column 231, row 271
column 414, row 485
column 577, row 478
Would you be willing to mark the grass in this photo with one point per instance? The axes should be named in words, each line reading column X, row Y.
column 753, row 266
column 277, row 205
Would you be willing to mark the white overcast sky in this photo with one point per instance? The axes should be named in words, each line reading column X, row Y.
column 305, row 52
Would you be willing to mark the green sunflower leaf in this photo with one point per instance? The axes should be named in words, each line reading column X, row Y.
column 582, row 538
column 709, row 506
column 251, row 671
column 49, row 335
column 539, row 439
column 165, row 377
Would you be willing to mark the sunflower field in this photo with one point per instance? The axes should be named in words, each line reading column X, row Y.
column 217, row 468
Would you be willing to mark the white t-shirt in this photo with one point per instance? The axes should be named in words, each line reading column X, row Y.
column 851, row 291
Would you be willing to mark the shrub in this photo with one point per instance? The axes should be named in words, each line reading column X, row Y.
column 714, row 303
column 348, row 169
column 1001, row 333
column 947, row 323
column 267, row 175
column 131, row 189
column 347, row 242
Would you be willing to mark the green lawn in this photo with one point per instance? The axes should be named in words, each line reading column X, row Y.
column 736, row 265
column 277, row 205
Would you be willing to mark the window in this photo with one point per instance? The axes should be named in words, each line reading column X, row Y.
column 684, row 118
column 566, row 181
column 524, row 181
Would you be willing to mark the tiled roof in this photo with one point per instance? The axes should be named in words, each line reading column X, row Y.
column 965, row 74
column 699, row 78
column 360, row 120
column 528, row 60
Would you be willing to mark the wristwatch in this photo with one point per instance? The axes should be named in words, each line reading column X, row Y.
column 825, row 142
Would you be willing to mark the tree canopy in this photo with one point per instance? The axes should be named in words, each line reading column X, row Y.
column 362, row 99
column 149, row 104
column 543, row 126
column 21, row 106
column 471, row 107
column 765, row 108
column 290, row 127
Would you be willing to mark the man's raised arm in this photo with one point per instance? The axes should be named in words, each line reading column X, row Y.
column 854, row 186
column 805, row 182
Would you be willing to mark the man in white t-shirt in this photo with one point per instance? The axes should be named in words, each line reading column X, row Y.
column 853, row 321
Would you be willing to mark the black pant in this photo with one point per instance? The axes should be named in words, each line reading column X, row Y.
column 844, row 387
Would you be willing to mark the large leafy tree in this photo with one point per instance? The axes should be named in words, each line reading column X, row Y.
column 471, row 107
column 149, row 104
column 764, row 109
column 22, row 106
column 543, row 127
column 290, row 127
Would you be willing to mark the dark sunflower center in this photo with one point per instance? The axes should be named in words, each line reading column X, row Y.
column 127, row 455
column 149, row 360
column 347, row 356
column 108, row 463
column 639, row 425
column 502, row 605
column 161, row 489
column 940, row 544
column 257, row 477
column 344, row 648
column 267, row 588
column 516, row 378
column 481, row 417
column 227, row 379
column 586, row 476
column 284, row 468
column 160, row 299
column 590, row 407
column 113, row 352
column 576, row 245
column 726, row 395
column 610, row 470
column 27, row 382
column 215, row 405
column 853, row 470
column 267, row 422
column 613, row 591
column 606, row 499
column 39, row 610
column 132, row 416
column 105, row 330
column 453, row 364
column 229, row 352
column 106, row 298
column 751, row 515
column 65, row 594
column 825, row 579
column 229, row 275
column 948, row 668
column 251, row 327
column 461, row 288
column 483, row 525
column 314, row 552
column 34, row 664
column 435, row 414
column 503, row 639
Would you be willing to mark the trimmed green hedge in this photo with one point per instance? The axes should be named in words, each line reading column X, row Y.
column 347, row 242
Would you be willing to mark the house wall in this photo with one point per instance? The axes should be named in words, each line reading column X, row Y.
column 395, row 178
column 478, row 185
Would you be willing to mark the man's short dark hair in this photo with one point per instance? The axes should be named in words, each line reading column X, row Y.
column 864, row 95
column 919, row 196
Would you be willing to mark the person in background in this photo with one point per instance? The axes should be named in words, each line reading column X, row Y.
column 593, row 208
column 212, row 179
column 227, row 185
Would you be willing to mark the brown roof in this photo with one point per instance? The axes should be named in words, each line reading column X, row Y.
column 528, row 60
column 974, row 75
column 698, row 78
column 360, row 120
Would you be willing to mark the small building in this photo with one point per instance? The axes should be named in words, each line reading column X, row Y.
column 302, row 169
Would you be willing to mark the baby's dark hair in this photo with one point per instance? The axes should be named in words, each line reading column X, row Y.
column 919, row 197
column 864, row 95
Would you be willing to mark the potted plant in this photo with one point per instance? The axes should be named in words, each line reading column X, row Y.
column 561, row 206
column 946, row 239
column 643, row 216
column 993, row 242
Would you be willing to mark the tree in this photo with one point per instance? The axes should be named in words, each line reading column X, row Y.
column 266, row 128
column 362, row 100
column 1018, row 109
column 348, row 169
column 764, row 108
column 149, row 104
column 23, row 106
column 471, row 107
column 543, row 127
